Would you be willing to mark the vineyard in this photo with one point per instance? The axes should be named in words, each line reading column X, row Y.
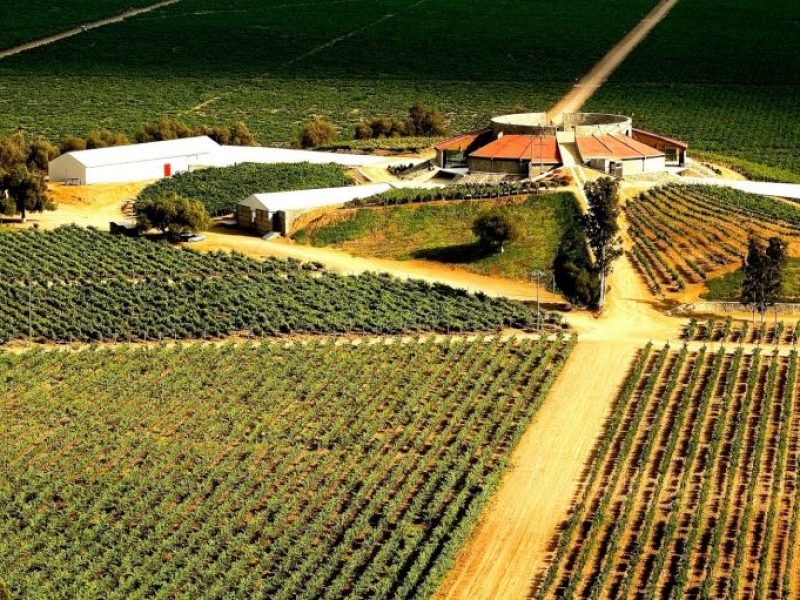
column 729, row 286
column 741, row 331
column 684, row 235
column 27, row 20
column 315, row 470
column 692, row 491
column 220, row 190
column 274, row 68
column 731, row 91
column 87, row 286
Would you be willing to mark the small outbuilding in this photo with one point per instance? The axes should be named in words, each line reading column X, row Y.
column 619, row 155
column 132, row 162
column 674, row 150
column 527, row 155
column 275, row 212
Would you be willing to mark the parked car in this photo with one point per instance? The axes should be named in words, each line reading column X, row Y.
column 191, row 237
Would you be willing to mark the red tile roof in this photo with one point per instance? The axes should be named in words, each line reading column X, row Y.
column 645, row 136
column 615, row 147
column 535, row 148
column 462, row 142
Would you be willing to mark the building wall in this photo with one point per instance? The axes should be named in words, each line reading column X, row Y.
column 487, row 165
column 66, row 167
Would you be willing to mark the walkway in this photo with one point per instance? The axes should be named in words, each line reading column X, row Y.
column 85, row 27
column 761, row 188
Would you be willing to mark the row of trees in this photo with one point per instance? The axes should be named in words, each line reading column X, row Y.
column 422, row 121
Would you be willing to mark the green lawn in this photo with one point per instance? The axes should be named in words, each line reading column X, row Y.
column 442, row 232
column 724, row 76
column 728, row 287
column 275, row 63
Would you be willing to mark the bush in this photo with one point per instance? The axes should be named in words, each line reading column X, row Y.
column 425, row 121
column 173, row 214
column 494, row 228
column 421, row 122
column 103, row 138
column 575, row 276
column 169, row 128
column 317, row 133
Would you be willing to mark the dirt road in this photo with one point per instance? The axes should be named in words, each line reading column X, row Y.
column 85, row 27
column 588, row 85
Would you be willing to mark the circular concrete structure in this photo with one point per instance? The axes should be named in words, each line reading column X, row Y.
column 581, row 124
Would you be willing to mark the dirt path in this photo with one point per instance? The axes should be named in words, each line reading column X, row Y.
column 588, row 85
column 510, row 546
column 346, row 264
column 85, row 27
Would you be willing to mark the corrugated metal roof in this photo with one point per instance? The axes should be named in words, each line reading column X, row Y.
column 614, row 147
column 130, row 153
column 232, row 155
column 462, row 142
column 649, row 135
column 536, row 148
column 313, row 198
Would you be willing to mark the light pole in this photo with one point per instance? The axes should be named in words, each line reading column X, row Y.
column 538, row 274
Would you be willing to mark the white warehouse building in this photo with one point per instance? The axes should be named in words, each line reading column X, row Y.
column 134, row 162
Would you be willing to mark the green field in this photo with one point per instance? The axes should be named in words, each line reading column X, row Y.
column 220, row 190
column 723, row 76
column 89, row 286
column 442, row 232
column 275, row 63
column 316, row 470
column 729, row 287
column 25, row 20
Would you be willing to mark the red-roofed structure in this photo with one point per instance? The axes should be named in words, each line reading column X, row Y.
column 675, row 150
column 518, row 154
column 619, row 154
column 453, row 152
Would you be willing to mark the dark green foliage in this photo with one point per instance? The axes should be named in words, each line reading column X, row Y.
column 494, row 228
column 5, row 594
column 221, row 189
column 173, row 214
column 763, row 274
column 23, row 191
column 87, row 286
column 601, row 226
column 168, row 128
column 422, row 121
column 575, row 276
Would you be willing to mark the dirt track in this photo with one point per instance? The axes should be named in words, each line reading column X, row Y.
column 589, row 84
column 86, row 26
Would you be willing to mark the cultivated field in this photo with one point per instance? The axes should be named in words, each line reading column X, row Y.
column 728, row 287
column 731, row 90
column 692, row 492
column 442, row 232
column 742, row 331
column 88, row 286
column 220, row 190
column 280, row 62
column 282, row 471
column 685, row 235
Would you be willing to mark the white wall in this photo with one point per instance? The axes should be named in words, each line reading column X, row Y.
column 138, row 171
column 66, row 167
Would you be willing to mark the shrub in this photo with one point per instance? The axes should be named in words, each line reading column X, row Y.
column 316, row 133
column 494, row 228
column 103, row 138
column 172, row 213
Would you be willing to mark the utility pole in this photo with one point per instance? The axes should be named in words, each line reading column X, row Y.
column 538, row 274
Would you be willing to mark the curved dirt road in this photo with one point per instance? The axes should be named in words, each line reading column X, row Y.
column 80, row 29
column 589, row 84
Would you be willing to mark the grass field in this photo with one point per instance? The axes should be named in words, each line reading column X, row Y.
column 684, row 234
column 732, row 90
column 692, row 492
column 220, row 190
column 442, row 232
column 729, row 286
column 280, row 471
column 25, row 20
column 280, row 62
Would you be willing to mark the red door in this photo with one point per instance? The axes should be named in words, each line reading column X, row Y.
column 167, row 170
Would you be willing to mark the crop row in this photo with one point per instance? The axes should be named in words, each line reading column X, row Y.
column 682, row 235
column 690, row 493
column 308, row 470
column 742, row 331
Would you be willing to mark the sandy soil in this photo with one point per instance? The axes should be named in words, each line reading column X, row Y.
column 588, row 85
column 76, row 30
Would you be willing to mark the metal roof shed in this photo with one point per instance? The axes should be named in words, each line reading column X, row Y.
column 132, row 162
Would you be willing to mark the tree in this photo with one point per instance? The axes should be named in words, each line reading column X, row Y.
column 424, row 121
column 574, row 273
column 72, row 143
column 22, row 190
column 602, row 228
column 40, row 153
column 494, row 228
column 165, row 128
column 103, row 138
column 317, row 133
column 763, row 274
column 172, row 214
column 5, row 594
